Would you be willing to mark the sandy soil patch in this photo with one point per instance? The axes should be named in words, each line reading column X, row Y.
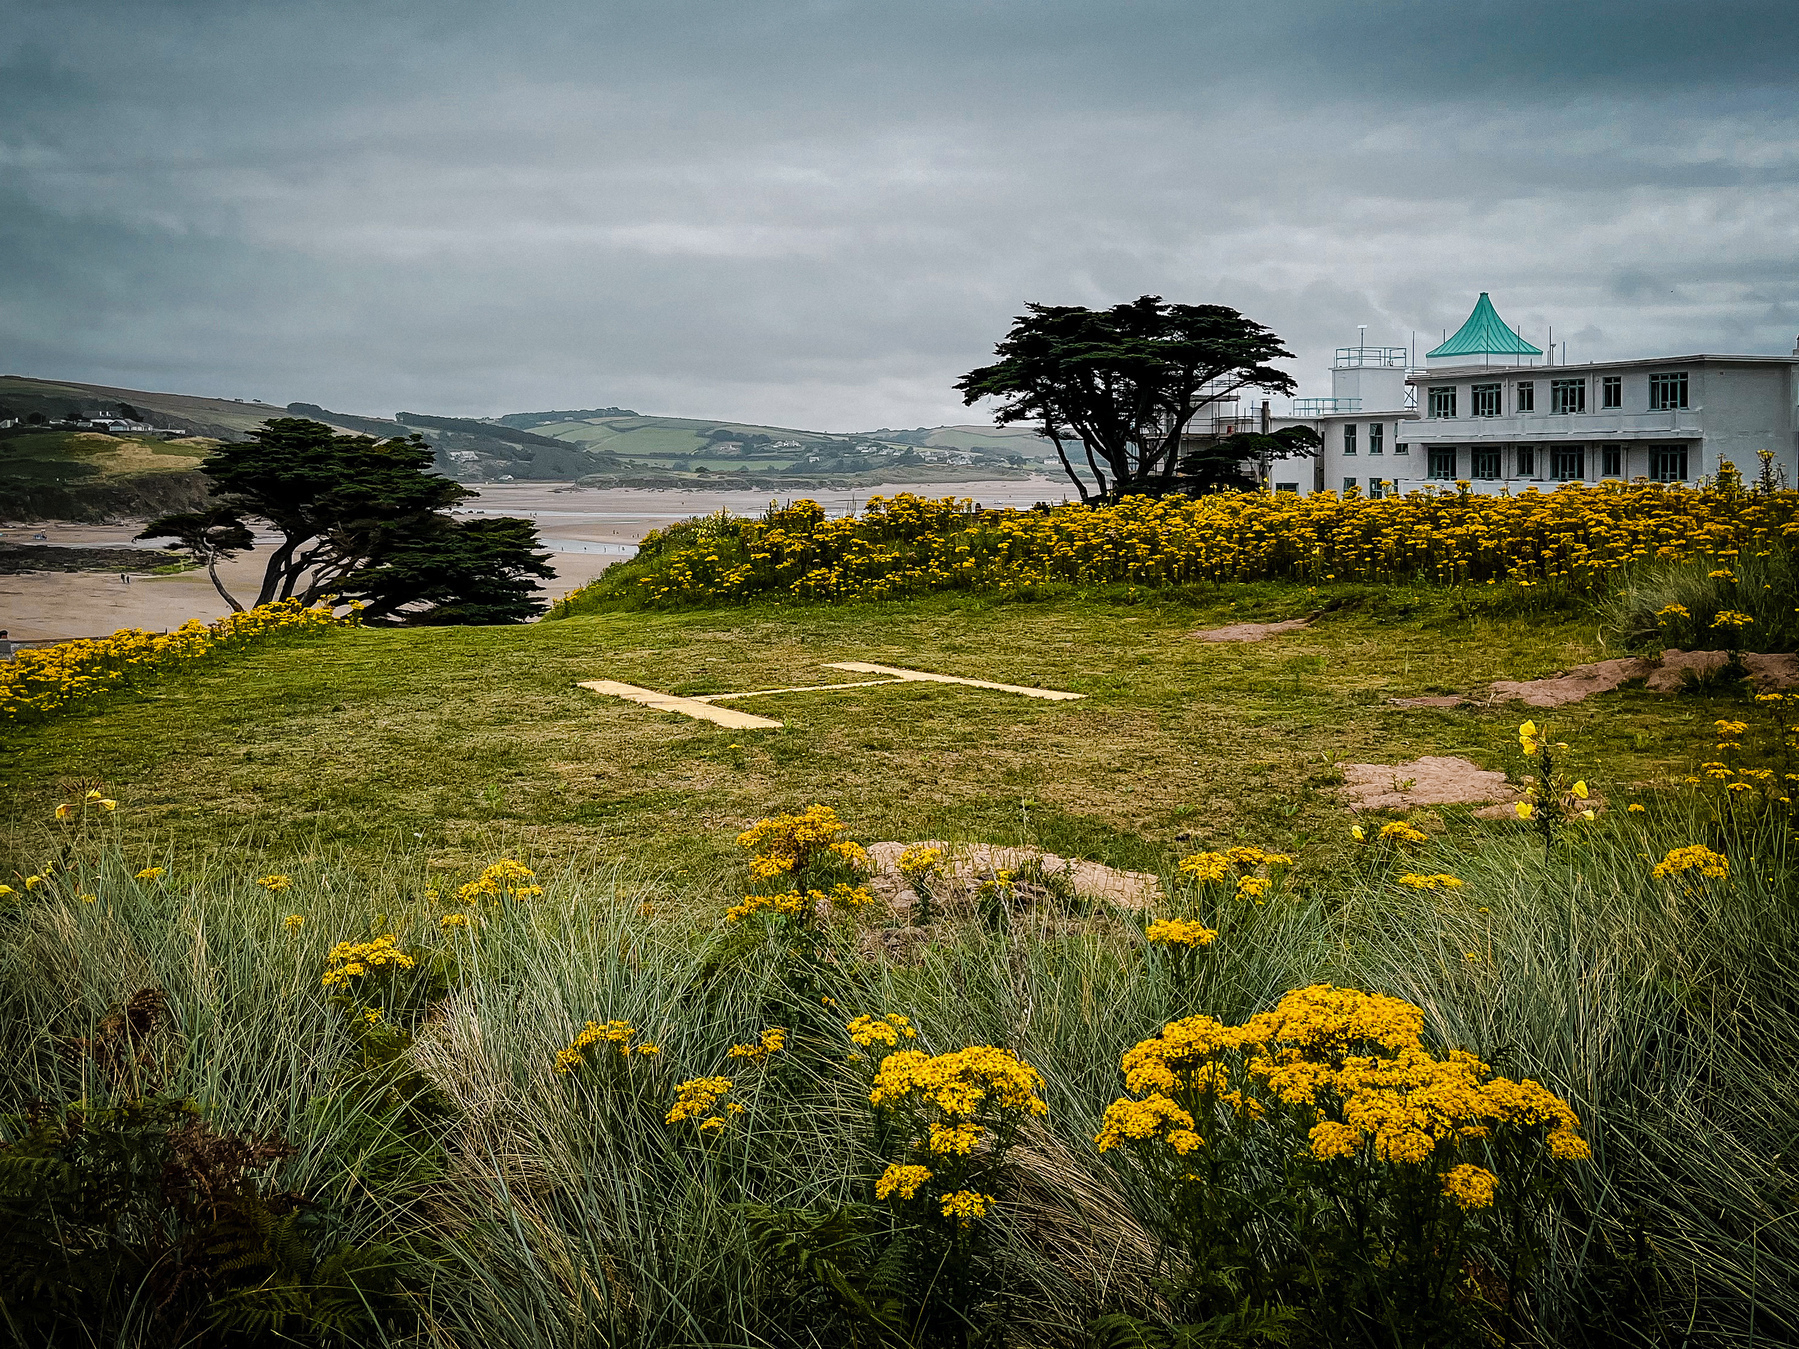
column 971, row 863
column 1251, row 632
column 1434, row 780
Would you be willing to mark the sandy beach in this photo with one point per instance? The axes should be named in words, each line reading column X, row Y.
column 586, row 529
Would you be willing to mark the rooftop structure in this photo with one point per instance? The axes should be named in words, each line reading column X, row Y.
column 1483, row 340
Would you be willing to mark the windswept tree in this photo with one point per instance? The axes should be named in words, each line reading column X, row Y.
column 362, row 519
column 209, row 537
column 1124, row 383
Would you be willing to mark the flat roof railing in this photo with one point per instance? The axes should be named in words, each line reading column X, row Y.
column 1320, row 407
column 1355, row 358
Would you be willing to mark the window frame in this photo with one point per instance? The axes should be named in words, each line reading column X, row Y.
column 1440, row 401
column 1435, row 459
column 1563, row 456
column 1524, row 398
column 1660, row 456
column 1559, row 389
column 1349, row 485
column 1490, row 394
column 1611, row 392
column 1377, row 434
column 1611, row 461
column 1524, row 461
column 1665, row 387
column 1349, row 438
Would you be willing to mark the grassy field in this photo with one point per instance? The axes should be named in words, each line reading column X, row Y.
column 440, row 741
column 60, row 456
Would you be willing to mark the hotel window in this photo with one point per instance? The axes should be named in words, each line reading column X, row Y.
column 1527, row 461
column 1611, row 392
column 1401, row 447
column 1527, row 396
column 1667, row 392
column 1486, row 464
column 1486, row 400
column 1286, row 487
column 1442, row 462
column 1376, row 434
column 1348, row 437
column 1567, row 395
column 1568, row 463
column 1348, row 486
column 1442, row 401
column 1668, row 463
column 1611, row 458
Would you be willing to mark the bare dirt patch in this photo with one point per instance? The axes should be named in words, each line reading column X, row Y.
column 1451, row 700
column 1434, row 780
column 1583, row 681
column 1252, row 632
column 971, row 863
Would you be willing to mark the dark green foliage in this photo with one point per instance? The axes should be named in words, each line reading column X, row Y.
column 141, row 1218
column 361, row 518
column 872, row 1280
column 1125, row 382
column 1219, row 467
column 467, row 572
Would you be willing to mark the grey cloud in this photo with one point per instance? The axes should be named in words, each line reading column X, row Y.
column 820, row 213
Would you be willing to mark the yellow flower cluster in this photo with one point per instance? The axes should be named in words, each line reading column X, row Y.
column 56, row 678
column 274, row 884
column 294, row 922
column 351, row 960
column 965, row 1084
column 886, row 1030
column 1437, row 881
column 1215, row 868
column 696, row 1099
column 1180, row 932
column 1351, row 1062
column 1471, row 1186
column 1694, row 857
column 918, row 861
column 902, row 1180
column 619, row 1034
column 1577, row 536
column 1732, row 618
column 773, row 1040
column 788, row 843
column 505, row 879
column 840, row 898
column 149, row 874
column 965, row 1205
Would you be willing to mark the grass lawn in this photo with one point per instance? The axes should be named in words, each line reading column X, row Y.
column 459, row 742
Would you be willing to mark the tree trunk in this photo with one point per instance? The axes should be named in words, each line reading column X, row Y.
column 212, row 570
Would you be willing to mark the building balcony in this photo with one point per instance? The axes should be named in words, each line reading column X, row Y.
column 1610, row 424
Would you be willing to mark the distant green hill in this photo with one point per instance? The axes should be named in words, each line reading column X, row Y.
column 76, row 472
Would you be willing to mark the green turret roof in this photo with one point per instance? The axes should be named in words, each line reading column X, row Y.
column 1485, row 334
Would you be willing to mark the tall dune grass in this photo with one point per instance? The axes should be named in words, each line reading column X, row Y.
column 537, row 1210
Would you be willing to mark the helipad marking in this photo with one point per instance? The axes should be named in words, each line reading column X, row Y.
column 687, row 707
column 703, row 709
column 863, row 667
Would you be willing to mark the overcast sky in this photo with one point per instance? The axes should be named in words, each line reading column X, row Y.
column 820, row 214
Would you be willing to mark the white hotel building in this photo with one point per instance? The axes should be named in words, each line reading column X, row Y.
column 1487, row 410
